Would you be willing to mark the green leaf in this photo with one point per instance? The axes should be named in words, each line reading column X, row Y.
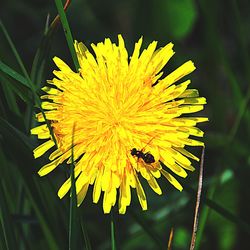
column 175, row 18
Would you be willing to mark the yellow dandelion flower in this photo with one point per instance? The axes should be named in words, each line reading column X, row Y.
column 128, row 121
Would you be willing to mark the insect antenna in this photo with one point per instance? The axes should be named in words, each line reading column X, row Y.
column 148, row 143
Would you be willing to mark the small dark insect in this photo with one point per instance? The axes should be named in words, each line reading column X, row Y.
column 147, row 157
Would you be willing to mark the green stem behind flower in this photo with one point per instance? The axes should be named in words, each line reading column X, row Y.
column 67, row 32
column 113, row 238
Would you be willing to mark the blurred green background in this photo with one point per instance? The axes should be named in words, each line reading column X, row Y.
column 216, row 36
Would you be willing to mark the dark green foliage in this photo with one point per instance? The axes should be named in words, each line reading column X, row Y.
column 216, row 36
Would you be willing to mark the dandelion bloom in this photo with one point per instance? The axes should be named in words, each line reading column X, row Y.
column 128, row 120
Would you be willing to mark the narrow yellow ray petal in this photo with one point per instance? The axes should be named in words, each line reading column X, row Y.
column 44, row 135
column 67, row 184
column 192, row 142
column 41, row 149
column 51, row 91
column 179, row 157
column 189, row 93
column 111, row 196
column 81, row 181
column 64, row 188
column 106, row 204
column 80, row 49
column 124, row 196
column 144, row 172
column 187, row 109
column 49, row 167
column 97, row 186
column 122, row 209
column 176, row 75
column 195, row 100
column 55, row 154
column 192, row 131
column 49, row 105
column 177, row 169
column 61, row 64
column 106, row 180
column 180, row 72
column 154, row 185
column 141, row 194
column 40, row 129
column 135, row 55
column 172, row 180
column 82, row 194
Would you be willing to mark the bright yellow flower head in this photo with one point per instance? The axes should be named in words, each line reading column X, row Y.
column 128, row 120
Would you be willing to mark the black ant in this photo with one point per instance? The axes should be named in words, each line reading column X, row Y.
column 147, row 157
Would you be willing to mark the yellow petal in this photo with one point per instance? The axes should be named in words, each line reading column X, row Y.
column 40, row 150
column 49, row 167
column 140, row 194
column 49, row 105
column 154, row 185
column 171, row 179
column 106, row 202
column 67, row 184
column 82, row 194
column 97, row 186
column 61, row 64
column 40, row 129
column 189, row 93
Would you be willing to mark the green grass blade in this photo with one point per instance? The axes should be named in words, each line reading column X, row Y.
column 18, row 58
column 19, row 144
column 42, row 54
column 12, row 73
column 28, row 79
column 67, row 32
column 10, row 96
column 73, row 201
column 85, row 236
column 2, row 239
column 19, row 89
column 22, row 80
column 112, row 227
column 6, row 222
